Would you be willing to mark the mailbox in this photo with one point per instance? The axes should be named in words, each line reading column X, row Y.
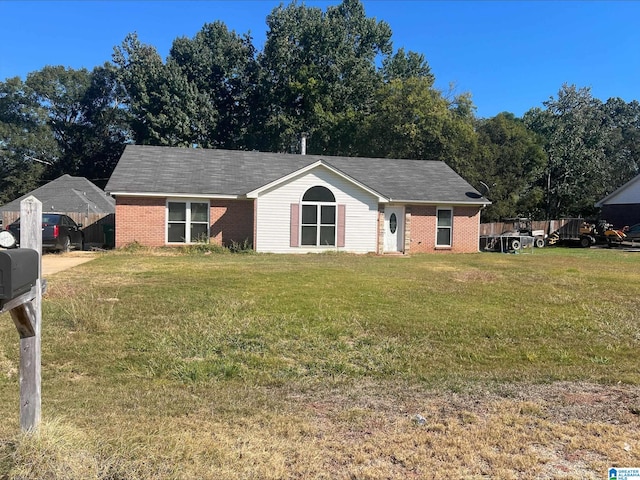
column 18, row 272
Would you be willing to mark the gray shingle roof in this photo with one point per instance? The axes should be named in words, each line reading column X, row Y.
column 172, row 170
column 68, row 194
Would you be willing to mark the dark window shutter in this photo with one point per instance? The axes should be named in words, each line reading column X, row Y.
column 341, row 219
column 295, row 217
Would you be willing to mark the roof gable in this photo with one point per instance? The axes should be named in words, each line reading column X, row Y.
column 319, row 164
column 628, row 193
column 173, row 171
column 68, row 194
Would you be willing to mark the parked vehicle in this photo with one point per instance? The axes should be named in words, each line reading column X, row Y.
column 633, row 232
column 59, row 232
column 629, row 236
column 521, row 227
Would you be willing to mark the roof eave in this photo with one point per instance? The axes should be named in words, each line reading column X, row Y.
column 177, row 195
column 440, row 202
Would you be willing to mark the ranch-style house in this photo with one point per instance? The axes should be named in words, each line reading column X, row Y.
column 284, row 203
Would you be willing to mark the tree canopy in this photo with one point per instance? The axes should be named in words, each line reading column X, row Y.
column 510, row 161
column 588, row 156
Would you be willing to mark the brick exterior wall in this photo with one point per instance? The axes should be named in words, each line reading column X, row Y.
column 140, row 220
column 421, row 230
column 231, row 221
column 143, row 220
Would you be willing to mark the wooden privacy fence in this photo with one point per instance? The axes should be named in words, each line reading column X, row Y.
column 548, row 226
column 93, row 225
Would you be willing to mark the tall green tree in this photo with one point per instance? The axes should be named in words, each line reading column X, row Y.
column 574, row 140
column 622, row 148
column 320, row 73
column 163, row 107
column 402, row 66
column 27, row 143
column 411, row 119
column 83, row 111
column 61, row 91
column 107, row 129
column 511, row 161
column 222, row 64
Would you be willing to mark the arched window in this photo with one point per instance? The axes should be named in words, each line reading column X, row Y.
column 318, row 194
column 318, row 222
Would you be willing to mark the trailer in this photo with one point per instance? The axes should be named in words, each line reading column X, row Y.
column 585, row 233
column 516, row 235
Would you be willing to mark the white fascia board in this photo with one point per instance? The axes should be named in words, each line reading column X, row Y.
column 439, row 203
column 178, row 195
column 256, row 193
column 615, row 193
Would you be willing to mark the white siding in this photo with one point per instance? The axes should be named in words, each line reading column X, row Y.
column 274, row 211
column 628, row 195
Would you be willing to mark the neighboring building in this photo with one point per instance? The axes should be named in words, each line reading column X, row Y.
column 284, row 203
column 622, row 207
column 78, row 198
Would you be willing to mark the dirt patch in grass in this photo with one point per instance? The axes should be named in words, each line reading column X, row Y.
column 344, row 430
column 559, row 430
column 475, row 276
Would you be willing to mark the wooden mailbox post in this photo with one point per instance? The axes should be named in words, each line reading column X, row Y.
column 26, row 312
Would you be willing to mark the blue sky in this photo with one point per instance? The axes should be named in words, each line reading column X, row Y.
column 510, row 55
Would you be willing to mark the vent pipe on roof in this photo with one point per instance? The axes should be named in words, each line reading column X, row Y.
column 303, row 143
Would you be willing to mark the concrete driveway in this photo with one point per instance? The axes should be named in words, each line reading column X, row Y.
column 57, row 262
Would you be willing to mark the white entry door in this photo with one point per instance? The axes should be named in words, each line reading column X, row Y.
column 393, row 229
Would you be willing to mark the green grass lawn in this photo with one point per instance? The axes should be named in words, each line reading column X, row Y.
column 159, row 365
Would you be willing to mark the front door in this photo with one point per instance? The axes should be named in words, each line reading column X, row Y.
column 393, row 229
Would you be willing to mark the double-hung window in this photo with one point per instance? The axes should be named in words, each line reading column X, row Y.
column 187, row 221
column 444, row 227
column 318, row 219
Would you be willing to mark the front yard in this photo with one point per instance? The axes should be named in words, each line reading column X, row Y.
column 158, row 365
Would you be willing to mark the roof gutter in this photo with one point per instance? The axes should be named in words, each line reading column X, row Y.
column 439, row 202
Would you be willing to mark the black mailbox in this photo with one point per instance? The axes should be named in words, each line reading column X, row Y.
column 18, row 272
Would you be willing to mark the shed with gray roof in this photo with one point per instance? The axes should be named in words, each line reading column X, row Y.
column 75, row 196
column 292, row 203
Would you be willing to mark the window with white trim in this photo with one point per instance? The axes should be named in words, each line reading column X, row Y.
column 187, row 221
column 318, row 218
column 444, row 227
